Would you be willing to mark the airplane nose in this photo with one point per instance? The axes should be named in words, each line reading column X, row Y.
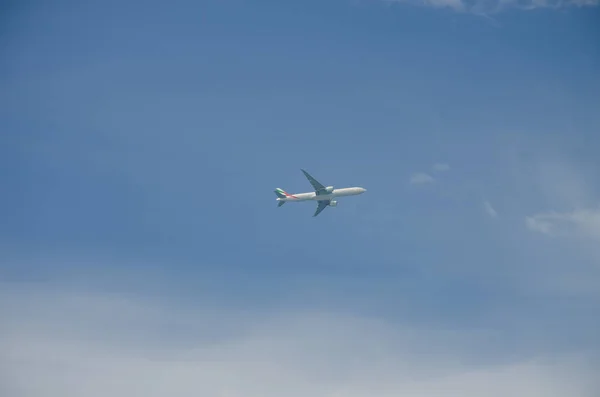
column 364, row 190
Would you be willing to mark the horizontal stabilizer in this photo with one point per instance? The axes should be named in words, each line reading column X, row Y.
column 280, row 203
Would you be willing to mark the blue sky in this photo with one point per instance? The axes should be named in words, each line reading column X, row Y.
column 141, row 245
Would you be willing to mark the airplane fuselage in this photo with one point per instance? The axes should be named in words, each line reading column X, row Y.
column 323, row 195
column 347, row 191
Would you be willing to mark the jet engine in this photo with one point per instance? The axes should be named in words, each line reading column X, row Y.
column 329, row 189
column 333, row 203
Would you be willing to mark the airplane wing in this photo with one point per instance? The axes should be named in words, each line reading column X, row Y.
column 319, row 188
column 322, row 204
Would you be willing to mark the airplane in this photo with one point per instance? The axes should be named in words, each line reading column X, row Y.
column 324, row 195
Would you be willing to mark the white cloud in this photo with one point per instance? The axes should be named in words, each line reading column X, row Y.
column 421, row 178
column 571, row 224
column 440, row 167
column 556, row 4
column 538, row 224
column 562, row 185
column 453, row 4
column 67, row 344
column 489, row 209
column 582, row 223
column 494, row 6
column 457, row 5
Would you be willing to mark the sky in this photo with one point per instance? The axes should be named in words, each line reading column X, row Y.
column 142, row 251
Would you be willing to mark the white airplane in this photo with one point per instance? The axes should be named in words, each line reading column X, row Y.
column 323, row 195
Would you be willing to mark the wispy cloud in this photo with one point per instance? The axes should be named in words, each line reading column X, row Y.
column 570, row 194
column 568, row 222
column 581, row 222
column 456, row 5
column 489, row 209
column 495, row 6
column 420, row 178
column 67, row 344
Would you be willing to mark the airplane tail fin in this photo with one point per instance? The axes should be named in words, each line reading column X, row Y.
column 280, row 193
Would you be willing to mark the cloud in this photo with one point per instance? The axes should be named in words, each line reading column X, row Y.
column 538, row 224
column 562, row 185
column 569, row 223
column 489, row 209
column 582, row 223
column 440, row 167
column 576, row 271
column 454, row 4
column 457, row 5
column 69, row 343
column 495, row 6
column 556, row 4
column 421, row 178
